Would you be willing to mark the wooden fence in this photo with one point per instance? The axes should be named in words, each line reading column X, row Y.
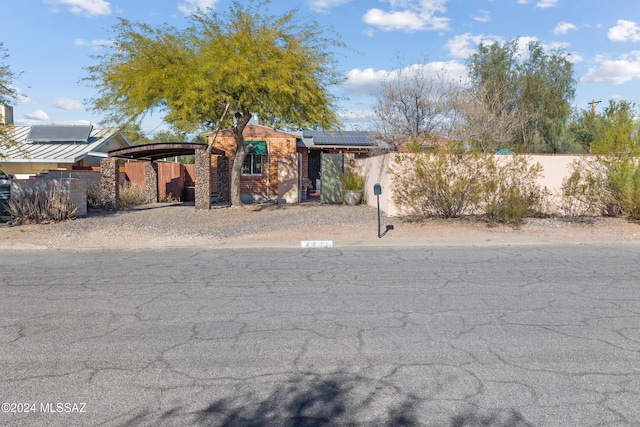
column 175, row 180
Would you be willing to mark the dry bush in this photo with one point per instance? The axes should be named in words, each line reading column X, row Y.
column 94, row 198
column 131, row 195
column 34, row 206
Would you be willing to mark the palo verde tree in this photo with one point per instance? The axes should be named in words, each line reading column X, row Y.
column 276, row 66
column 7, row 95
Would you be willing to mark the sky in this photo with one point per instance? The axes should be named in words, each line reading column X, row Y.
column 51, row 42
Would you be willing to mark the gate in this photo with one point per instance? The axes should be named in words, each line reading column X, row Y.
column 331, row 166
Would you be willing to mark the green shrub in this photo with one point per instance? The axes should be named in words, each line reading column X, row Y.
column 509, row 189
column 624, row 177
column 588, row 190
column 441, row 183
column 449, row 183
column 353, row 181
column 131, row 195
column 34, row 206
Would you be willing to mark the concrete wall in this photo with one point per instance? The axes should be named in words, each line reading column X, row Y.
column 376, row 170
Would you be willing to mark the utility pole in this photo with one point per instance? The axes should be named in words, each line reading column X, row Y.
column 593, row 104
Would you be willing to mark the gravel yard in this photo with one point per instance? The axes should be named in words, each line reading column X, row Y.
column 170, row 225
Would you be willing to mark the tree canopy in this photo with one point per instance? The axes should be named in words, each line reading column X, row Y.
column 271, row 65
column 276, row 66
column 533, row 85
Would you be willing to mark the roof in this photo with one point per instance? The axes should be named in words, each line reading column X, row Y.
column 256, row 131
column 57, row 144
column 343, row 139
column 159, row 151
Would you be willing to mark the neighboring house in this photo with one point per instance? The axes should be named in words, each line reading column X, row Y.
column 274, row 150
column 58, row 147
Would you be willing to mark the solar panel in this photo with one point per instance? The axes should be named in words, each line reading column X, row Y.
column 59, row 133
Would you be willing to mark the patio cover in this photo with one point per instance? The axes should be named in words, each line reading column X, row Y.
column 152, row 152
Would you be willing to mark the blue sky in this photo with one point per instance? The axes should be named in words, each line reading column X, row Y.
column 50, row 43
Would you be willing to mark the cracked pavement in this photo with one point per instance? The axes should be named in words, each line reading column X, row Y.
column 444, row 336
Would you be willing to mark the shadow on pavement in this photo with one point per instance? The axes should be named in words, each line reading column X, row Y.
column 340, row 399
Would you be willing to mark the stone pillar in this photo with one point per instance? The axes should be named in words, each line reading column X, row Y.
column 109, row 183
column 203, row 180
column 151, row 182
column 224, row 179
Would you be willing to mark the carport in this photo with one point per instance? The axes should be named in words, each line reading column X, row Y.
column 150, row 153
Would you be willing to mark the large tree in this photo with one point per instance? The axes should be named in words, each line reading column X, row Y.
column 535, row 85
column 277, row 66
column 414, row 104
column 7, row 95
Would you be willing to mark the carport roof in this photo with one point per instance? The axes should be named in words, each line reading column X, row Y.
column 151, row 152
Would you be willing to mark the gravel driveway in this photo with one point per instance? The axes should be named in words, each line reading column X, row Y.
column 172, row 225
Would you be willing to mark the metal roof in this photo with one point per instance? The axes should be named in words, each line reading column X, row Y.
column 321, row 138
column 54, row 152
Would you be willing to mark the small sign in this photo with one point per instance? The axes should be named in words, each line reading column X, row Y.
column 316, row 243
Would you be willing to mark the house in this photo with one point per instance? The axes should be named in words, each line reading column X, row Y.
column 35, row 149
column 281, row 163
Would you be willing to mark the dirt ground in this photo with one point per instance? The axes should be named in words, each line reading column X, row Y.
column 175, row 225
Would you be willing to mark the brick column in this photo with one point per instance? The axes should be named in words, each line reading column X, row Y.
column 203, row 180
column 109, row 183
column 151, row 182
column 224, row 179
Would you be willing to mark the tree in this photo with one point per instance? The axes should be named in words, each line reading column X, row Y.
column 617, row 130
column 277, row 66
column 414, row 103
column 538, row 85
column 7, row 95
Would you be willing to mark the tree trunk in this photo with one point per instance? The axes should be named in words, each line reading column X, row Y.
column 242, row 119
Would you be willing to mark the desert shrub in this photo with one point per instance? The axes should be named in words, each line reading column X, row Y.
column 442, row 183
column 94, row 198
column 35, row 206
column 353, row 181
column 131, row 195
column 588, row 190
column 449, row 183
column 509, row 189
column 624, row 177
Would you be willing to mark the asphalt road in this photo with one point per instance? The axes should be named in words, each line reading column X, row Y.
column 494, row 336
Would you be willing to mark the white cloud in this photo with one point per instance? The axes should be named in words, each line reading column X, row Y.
column 543, row 4
column 323, row 6
column 463, row 45
column 96, row 44
column 68, row 104
column 84, row 7
column 37, row 115
column 625, row 31
column 409, row 16
column 367, row 81
column 482, row 16
column 191, row 6
column 563, row 28
column 616, row 71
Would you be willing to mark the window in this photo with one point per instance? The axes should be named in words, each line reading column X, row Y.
column 252, row 165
